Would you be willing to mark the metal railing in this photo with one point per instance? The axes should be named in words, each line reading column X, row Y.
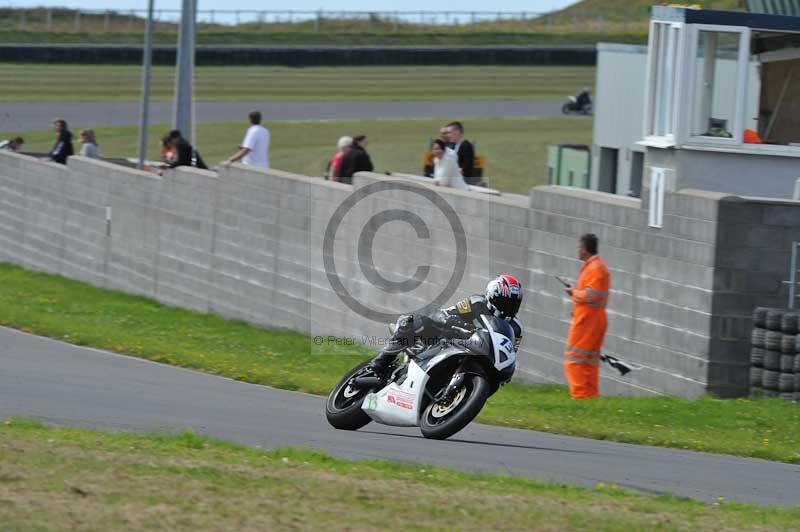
column 62, row 19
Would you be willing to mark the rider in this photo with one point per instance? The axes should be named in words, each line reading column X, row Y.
column 583, row 99
column 502, row 299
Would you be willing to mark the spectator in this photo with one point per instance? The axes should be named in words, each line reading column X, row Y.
column 446, row 172
column 167, row 153
column 356, row 160
column 14, row 144
column 185, row 154
column 464, row 150
column 89, row 148
column 63, row 146
column 335, row 165
column 254, row 150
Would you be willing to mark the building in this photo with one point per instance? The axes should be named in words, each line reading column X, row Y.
column 713, row 104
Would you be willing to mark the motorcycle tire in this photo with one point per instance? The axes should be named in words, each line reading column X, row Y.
column 566, row 109
column 760, row 316
column 476, row 392
column 788, row 343
column 347, row 414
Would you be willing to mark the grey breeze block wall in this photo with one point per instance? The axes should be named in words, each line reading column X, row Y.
column 248, row 244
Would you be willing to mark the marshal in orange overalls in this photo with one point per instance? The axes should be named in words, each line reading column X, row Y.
column 589, row 322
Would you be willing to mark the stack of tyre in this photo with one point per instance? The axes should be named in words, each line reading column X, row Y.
column 774, row 360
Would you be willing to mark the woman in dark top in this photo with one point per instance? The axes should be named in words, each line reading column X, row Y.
column 63, row 146
column 356, row 160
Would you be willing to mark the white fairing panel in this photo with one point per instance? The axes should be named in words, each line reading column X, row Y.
column 504, row 354
column 398, row 405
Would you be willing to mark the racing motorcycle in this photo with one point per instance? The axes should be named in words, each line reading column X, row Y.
column 580, row 105
column 439, row 388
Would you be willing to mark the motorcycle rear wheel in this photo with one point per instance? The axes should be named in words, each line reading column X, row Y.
column 439, row 421
column 343, row 407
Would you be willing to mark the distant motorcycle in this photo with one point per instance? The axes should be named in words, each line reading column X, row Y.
column 439, row 388
column 578, row 105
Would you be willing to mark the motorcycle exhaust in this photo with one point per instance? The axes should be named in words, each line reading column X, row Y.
column 367, row 382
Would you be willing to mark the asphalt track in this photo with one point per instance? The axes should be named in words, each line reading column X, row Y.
column 16, row 117
column 68, row 385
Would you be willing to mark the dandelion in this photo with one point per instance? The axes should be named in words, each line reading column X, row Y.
column 601, row 485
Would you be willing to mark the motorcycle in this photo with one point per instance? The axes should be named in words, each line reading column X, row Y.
column 571, row 106
column 439, row 388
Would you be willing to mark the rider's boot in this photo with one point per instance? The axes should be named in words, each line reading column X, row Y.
column 382, row 363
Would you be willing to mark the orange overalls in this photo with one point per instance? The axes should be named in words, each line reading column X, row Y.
column 589, row 321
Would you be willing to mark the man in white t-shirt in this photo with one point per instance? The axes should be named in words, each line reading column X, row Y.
column 254, row 150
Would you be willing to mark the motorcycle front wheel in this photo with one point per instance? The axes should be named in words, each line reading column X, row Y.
column 440, row 419
column 343, row 407
column 566, row 108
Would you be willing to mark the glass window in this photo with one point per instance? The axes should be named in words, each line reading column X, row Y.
column 663, row 79
column 716, row 84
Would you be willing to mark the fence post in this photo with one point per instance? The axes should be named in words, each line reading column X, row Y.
column 237, row 17
column 22, row 19
column 106, row 20
column 318, row 21
column 49, row 19
column 131, row 19
column 77, row 25
column 396, row 25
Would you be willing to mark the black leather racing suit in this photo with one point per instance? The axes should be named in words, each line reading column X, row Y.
column 444, row 323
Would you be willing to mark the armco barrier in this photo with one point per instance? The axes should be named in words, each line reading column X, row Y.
column 249, row 244
column 306, row 55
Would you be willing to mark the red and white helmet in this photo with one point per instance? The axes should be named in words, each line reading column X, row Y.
column 504, row 295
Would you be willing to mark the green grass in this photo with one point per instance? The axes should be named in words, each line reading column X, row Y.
column 58, row 478
column 515, row 149
column 34, row 82
column 77, row 313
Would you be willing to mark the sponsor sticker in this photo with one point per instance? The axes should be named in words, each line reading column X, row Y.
column 464, row 306
column 401, row 399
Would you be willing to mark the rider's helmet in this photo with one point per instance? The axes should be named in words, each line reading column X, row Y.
column 504, row 295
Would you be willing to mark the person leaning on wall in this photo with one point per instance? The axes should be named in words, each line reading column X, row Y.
column 89, row 144
column 582, row 356
column 63, row 146
column 356, row 160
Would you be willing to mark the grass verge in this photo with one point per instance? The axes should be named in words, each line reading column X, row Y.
column 80, row 479
column 515, row 149
column 77, row 313
column 36, row 82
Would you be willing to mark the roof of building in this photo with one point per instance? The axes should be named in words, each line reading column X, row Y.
column 761, row 21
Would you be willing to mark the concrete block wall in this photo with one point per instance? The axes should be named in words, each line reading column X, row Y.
column 248, row 244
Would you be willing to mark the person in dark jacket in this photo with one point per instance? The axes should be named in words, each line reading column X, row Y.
column 184, row 153
column 465, row 151
column 356, row 160
column 63, row 147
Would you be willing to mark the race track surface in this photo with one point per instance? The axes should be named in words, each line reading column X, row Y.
column 69, row 385
column 17, row 117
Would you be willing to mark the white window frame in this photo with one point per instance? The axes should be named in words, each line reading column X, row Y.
column 736, row 128
column 666, row 49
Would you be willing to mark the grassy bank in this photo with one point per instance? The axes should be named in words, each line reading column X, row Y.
column 54, row 478
column 80, row 314
column 632, row 34
column 515, row 149
column 35, row 82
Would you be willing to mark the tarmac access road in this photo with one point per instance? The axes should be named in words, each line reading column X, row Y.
column 76, row 386
column 17, row 117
